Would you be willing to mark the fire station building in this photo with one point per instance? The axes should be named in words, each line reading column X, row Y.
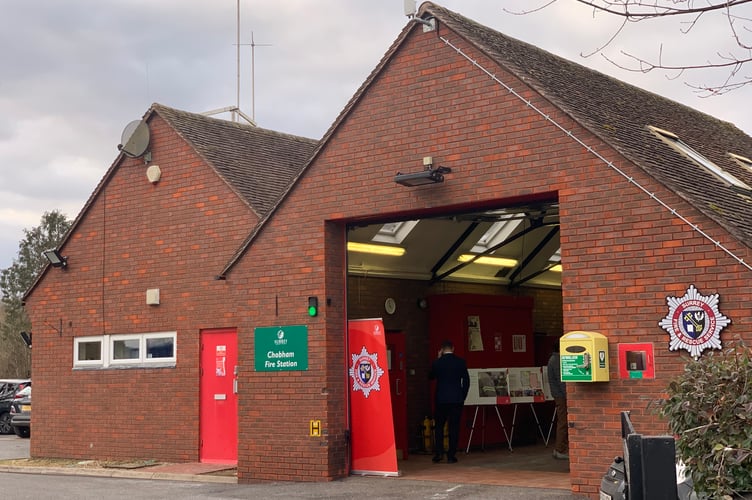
column 474, row 188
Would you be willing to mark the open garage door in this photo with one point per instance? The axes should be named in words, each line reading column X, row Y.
column 396, row 263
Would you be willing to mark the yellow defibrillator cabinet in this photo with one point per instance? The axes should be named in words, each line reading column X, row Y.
column 584, row 357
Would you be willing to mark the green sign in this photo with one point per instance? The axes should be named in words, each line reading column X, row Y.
column 573, row 368
column 281, row 348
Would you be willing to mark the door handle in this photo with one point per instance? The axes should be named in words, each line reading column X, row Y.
column 235, row 386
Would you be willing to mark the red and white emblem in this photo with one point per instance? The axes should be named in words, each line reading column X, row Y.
column 694, row 322
column 365, row 372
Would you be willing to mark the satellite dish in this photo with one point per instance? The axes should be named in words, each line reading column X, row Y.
column 135, row 139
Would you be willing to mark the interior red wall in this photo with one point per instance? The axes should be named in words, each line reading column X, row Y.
column 500, row 316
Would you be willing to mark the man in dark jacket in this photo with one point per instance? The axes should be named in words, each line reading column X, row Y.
column 452, row 385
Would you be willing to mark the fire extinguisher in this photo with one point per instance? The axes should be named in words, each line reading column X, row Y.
column 428, row 434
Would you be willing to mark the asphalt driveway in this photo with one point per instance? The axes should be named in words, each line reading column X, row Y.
column 12, row 446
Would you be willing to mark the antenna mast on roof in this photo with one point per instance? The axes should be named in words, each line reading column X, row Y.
column 235, row 110
column 253, row 73
column 237, row 43
column 253, row 45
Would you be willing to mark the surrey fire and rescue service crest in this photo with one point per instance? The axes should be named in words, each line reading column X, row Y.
column 365, row 372
column 694, row 322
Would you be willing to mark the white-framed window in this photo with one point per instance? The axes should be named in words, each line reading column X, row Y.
column 394, row 232
column 673, row 140
column 89, row 351
column 159, row 347
column 742, row 160
column 126, row 350
column 496, row 234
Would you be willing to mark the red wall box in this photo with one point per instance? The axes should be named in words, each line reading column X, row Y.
column 637, row 361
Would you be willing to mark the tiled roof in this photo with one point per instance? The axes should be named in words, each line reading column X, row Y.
column 620, row 113
column 259, row 164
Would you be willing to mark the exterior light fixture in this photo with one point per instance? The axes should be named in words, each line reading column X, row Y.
column 394, row 251
column 429, row 175
column 55, row 259
column 26, row 336
column 153, row 173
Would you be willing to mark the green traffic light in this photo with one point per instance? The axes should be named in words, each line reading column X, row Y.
column 313, row 306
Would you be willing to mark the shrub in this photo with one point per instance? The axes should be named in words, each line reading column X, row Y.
column 709, row 408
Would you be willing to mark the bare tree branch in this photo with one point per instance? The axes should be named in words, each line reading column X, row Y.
column 627, row 8
column 609, row 41
column 637, row 9
column 695, row 11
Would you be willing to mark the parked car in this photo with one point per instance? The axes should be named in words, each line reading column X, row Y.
column 20, row 412
column 8, row 390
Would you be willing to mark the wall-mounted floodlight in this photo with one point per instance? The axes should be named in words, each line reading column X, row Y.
column 429, row 175
column 55, row 259
column 26, row 336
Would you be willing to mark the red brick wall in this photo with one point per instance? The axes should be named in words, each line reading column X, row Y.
column 623, row 258
column 623, row 254
column 176, row 236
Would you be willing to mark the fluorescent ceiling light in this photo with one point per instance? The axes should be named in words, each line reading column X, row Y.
column 487, row 260
column 557, row 268
column 353, row 246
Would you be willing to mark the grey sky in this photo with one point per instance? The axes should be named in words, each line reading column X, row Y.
column 74, row 73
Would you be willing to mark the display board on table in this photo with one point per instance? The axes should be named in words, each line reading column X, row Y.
column 502, row 386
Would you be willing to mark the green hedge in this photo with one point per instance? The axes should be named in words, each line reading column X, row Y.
column 709, row 408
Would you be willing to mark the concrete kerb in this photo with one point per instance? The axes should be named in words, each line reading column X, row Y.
column 118, row 473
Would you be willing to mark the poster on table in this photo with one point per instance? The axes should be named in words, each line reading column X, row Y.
column 526, row 384
column 488, row 386
column 502, row 386
column 373, row 446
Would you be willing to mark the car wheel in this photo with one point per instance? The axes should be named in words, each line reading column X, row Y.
column 23, row 432
column 5, row 427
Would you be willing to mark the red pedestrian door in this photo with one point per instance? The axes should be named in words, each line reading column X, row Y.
column 218, row 401
column 395, row 350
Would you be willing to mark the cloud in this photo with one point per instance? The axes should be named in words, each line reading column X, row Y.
column 80, row 70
